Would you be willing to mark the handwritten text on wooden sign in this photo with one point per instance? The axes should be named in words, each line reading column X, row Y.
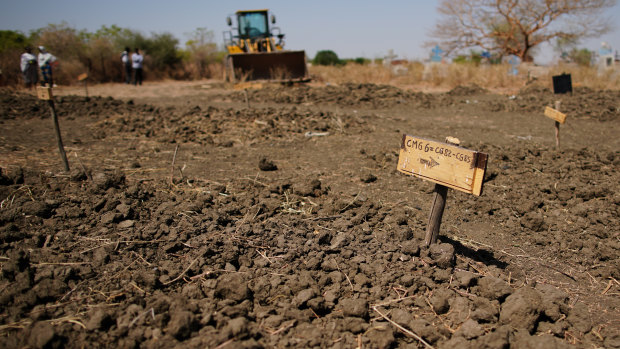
column 449, row 165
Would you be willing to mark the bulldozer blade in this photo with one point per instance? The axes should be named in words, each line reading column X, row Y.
column 273, row 66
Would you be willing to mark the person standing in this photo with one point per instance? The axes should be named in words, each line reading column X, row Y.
column 29, row 68
column 46, row 61
column 136, row 64
column 126, row 65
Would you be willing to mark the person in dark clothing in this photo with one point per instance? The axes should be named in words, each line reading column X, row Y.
column 126, row 60
column 29, row 68
column 136, row 64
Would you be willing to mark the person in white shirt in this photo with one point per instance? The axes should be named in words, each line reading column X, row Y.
column 46, row 61
column 29, row 68
column 136, row 65
column 126, row 65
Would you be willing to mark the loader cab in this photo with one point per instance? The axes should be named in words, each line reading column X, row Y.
column 253, row 24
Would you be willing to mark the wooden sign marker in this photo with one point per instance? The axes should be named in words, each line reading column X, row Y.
column 559, row 118
column 45, row 93
column 446, row 164
column 84, row 77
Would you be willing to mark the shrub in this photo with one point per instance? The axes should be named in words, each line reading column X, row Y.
column 326, row 57
column 12, row 44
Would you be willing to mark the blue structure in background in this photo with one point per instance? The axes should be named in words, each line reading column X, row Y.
column 605, row 49
column 514, row 61
column 606, row 57
column 436, row 54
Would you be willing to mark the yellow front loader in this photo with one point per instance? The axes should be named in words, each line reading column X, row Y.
column 255, row 54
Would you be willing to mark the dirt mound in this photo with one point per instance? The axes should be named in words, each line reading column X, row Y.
column 227, row 127
column 136, row 264
column 21, row 105
column 583, row 102
column 350, row 95
column 469, row 90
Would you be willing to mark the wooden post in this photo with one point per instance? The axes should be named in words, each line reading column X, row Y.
column 84, row 77
column 439, row 203
column 45, row 93
column 557, row 126
column 247, row 99
column 61, row 148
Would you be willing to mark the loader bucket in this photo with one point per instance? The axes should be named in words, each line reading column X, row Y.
column 274, row 66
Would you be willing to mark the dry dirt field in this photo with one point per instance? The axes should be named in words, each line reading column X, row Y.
column 199, row 216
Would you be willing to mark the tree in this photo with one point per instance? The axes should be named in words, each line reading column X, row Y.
column 326, row 57
column 162, row 48
column 10, row 39
column 12, row 44
column 202, row 52
column 516, row 27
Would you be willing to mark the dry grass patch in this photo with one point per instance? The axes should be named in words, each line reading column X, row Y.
column 417, row 76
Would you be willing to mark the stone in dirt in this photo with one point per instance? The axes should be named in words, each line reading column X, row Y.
column 401, row 317
column 233, row 287
column 410, row 247
column 381, row 336
column 15, row 176
column 500, row 338
column 126, row 224
column 554, row 301
column 41, row 335
column 304, row 296
column 493, row 288
column 266, row 165
column 579, row 318
column 534, row 221
column 180, row 324
column 522, row 309
column 442, row 254
column 522, row 339
column 18, row 261
column 77, row 175
column 485, row 310
column 470, row 329
column 464, row 278
column 236, row 327
column 456, row 342
column 311, row 188
column 368, row 178
column 354, row 307
column 104, row 181
column 37, row 208
column 99, row 320
column 440, row 300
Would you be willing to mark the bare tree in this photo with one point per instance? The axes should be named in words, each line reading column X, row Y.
column 517, row 26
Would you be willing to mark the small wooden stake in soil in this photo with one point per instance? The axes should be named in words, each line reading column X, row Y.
column 84, row 77
column 174, row 159
column 439, row 203
column 446, row 164
column 559, row 118
column 247, row 99
column 45, row 93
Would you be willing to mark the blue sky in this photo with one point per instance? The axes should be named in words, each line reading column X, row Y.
column 361, row 28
